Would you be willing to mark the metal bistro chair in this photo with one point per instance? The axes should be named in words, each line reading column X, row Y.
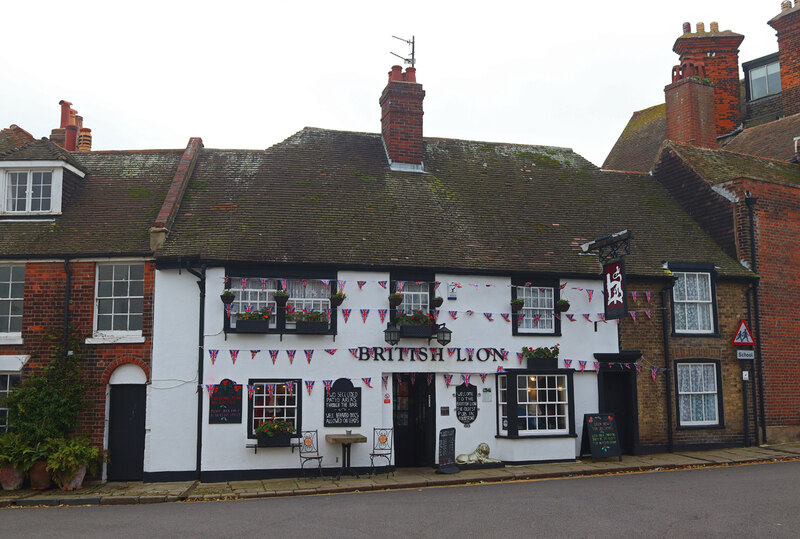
column 381, row 448
column 309, row 450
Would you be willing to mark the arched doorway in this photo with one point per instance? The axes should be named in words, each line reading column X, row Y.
column 126, row 415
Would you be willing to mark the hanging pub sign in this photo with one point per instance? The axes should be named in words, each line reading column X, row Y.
column 466, row 403
column 616, row 305
column 225, row 403
column 343, row 405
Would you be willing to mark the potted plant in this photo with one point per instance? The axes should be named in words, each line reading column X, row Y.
column 12, row 472
column 227, row 296
column 417, row 324
column 517, row 304
column 543, row 357
column 337, row 299
column 69, row 459
column 281, row 297
column 253, row 321
column 437, row 302
column 274, row 433
column 314, row 322
column 35, row 460
column 395, row 299
column 562, row 306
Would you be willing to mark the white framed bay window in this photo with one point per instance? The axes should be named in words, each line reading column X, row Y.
column 535, row 404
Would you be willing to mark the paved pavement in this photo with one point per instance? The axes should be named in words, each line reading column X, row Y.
column 116, row 493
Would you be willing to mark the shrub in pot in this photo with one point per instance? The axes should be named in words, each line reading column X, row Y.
column 35, row 461
column 12, row 472
column 69, row 459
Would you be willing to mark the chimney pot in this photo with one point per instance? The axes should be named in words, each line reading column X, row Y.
column 687, row 28
column 71, row 142
column 714, row 27
column 65, row 108
column 396, row 73
column 84, row 139
column 411, row 74
column 401, row 120
column 786, row 4
column 701, row 28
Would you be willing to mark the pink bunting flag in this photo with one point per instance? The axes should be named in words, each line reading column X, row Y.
column 346, row 314
column 234, row 355
column 648, row 295
column 483, row 376
column 447, row 379
column 429, row 377
column 582, row 364
column 586, row 316
column 328, row 384
column 385, row 380
column 309, row 386
column 654, row 372
column 633, row 315
column 506, row 317
column 213, row 354
column 274, row 355
column 382, row 283
column 571, row 317
column 291, row 354
column 367, row 382
column 364, row 315
column 589, row 292
column 361, row 284
column 649, row 314
column 382, row 313
column 309, row 353
column 453, row 314
column 500, row 369
column 465, row 378
column 470, row 351
column 489, row 316
column 253, row 353
column 567, row 363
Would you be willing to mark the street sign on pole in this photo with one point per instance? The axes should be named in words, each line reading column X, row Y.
column 743, row 335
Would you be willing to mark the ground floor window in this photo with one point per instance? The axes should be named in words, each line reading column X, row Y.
column 698, row 395
column 7, row 383
column 275, row 399
column 531, row 404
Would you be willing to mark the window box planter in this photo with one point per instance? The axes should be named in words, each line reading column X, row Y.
column 279, row 440
column 311, row 328
column 252, row 326
column 408, row 330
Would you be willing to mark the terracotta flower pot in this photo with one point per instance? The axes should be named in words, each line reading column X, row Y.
column 10, row 477
column 40, row 477
column 76, row 481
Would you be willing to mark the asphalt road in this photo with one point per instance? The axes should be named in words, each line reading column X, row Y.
column 754, row 501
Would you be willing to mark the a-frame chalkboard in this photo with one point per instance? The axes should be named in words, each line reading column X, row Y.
column 600, row 436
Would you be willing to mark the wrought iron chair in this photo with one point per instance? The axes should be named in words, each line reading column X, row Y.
column 381, row 448
column 309, row 450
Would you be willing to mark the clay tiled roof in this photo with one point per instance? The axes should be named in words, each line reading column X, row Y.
column 328, row 197
column 637, row 146
column 13, row 137
column 773, row 140
column 40, row 150
column 109, row 214
column 719, row 166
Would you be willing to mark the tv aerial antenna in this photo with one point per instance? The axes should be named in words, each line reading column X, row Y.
column 412, row 60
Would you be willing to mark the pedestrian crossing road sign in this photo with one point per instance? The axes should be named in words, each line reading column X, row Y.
column 743, row 335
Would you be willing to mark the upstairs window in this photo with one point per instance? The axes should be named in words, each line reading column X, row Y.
column 537, row 315
column 120, row 298
column 12, row 289
column 693, row 302
column 765, row 80
column 28, row 191
column 416, row 297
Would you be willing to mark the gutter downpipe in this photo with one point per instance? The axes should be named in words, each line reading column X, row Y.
column 751, row 202
column 201, row 283
column 668, row 370
column 65, row 331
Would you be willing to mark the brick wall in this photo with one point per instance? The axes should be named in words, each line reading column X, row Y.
column 787, row 26
column 690, row 112
column 43, row 314
column 401, row 117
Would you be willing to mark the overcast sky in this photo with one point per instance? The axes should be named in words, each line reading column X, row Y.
column 249, row 74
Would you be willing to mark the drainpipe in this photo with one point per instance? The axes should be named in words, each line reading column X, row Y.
column 751, row 203
column 65, row 331
column 668, row 370
column 201, row 283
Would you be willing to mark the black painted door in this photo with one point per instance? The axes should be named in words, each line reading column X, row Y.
column 618, row 397
column 414, row 421
column 126, row 432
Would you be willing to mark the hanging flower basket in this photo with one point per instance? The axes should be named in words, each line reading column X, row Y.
column 227, row 297
column 517, row 305
column 395, row 299
column 337, row 299
column 281, row 298
column 437, row 302
column 562, row 306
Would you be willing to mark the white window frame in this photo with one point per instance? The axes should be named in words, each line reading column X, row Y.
column 541, row 417
column 5, row 389
column 282, row 406
column 684, row 303
column 538, row 300
column 766, row 68
column 109, row 336
column 416, row 297
column 301, row 296
column 7, row 336
column 56, row 168
column 689, row 394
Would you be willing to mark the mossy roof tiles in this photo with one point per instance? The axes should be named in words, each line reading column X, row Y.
column 773, row 140
column 637, row 146
column 329, row 197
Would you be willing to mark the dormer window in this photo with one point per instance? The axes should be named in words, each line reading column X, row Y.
column 765, row 80
column 29, row 191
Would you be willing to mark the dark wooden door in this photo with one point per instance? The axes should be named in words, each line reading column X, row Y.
column 618, row 397
column 414, row 421
column 126, row 432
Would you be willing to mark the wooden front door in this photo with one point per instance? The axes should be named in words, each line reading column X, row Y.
column 126, row 432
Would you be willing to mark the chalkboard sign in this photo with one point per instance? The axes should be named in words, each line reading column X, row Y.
column 225, row 403
column 600, row 436
column 343, row 405
column 466, row 403
column 447, row 451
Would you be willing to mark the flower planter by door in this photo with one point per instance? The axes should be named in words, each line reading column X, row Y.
column 252, row 326
column 74, row 482
column 279, row 440
column 40, row 477
column 10, row 477
column 311, row 327
column 416, row 331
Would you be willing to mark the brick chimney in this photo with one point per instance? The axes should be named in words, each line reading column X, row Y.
column 787, row 27
column 690, row 109
column 719, row 53
column 71, row 135
column 401, row 120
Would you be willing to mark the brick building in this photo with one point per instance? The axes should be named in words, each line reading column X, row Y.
column 740, row 185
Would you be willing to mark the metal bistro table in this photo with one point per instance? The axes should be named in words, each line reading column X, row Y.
column 346, row 440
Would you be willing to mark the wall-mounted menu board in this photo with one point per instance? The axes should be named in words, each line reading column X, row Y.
column 343, row 405
column 225, row 403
